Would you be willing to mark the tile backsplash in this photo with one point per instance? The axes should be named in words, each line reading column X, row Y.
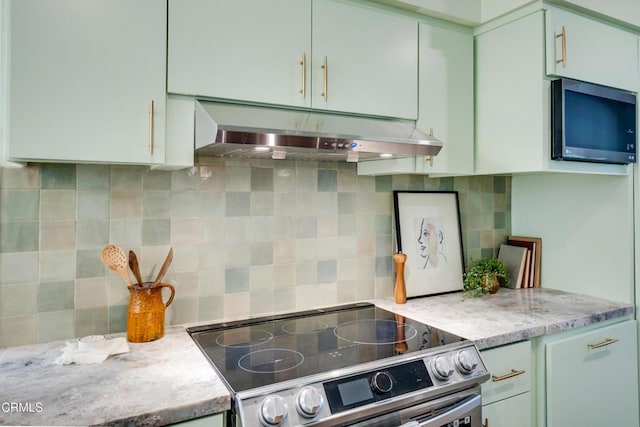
column 249, row 237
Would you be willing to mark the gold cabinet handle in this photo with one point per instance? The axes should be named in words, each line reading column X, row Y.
column 604, row 343
column 303, row 64
column 486, row 422
column 563, row 60
column 151, row 108
column 325, row 86
column 513, row 373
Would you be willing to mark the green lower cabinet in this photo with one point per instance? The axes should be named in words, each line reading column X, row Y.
column 514, row 411
column 592, row 378
column 506, row 396
column 216, row 420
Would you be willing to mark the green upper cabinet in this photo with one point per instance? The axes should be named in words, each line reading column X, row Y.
column 445, row 104
column 446, row 98
column 513, row 98
column 82, row 78
column 321, row 54
column 247, row 50
column 371, row 60
column 583, row 49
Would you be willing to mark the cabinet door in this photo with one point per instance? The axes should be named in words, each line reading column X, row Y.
column 510, row 368
column 82, row 75
column 592, row 378
column 591, row 51
column 372, row 60
column 515, row 411
column 446, row 97
column 248, row 50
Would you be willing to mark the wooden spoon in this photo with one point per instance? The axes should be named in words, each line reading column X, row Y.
column 115, row 258
column 164, row 268
column 135, row 267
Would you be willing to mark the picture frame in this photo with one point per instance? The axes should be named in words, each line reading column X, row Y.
column 428, row 231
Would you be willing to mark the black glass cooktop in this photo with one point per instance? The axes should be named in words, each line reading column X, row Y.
column 267, row 350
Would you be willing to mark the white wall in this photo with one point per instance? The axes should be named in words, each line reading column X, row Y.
column 586, row 226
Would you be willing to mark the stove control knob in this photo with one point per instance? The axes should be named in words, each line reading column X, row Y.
column 382, row 382
column 273, row 411
column 309, row 402
column 466, row 361
column 442, row 367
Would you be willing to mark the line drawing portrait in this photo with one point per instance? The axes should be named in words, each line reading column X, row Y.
column 430, row 243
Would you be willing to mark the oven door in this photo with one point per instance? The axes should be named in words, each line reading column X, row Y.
column 464, row 407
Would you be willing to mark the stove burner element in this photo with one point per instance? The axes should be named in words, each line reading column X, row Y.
column 270, row 360
column 243, row 338
column 304, row 326
column 374, row 331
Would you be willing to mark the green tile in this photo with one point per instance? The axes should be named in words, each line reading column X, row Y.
column 156, row 180
column 117, row 318
column 384, row 266
column 92, row 204
column 19, row 267
column 19, row 236
column 93, row 177
column 262, row 203
column 347, row 225
column 346, row 203
column 416, row 182
column 186, row 204
column 156, row 232
column 58, row 176
column 89, row 264
column 237, row 203
column 213, row 202
column 125, row 178
column 306, row 227
column 238, row 178
column 126, row 232
column 210, row 308
column 56, row 296
column 27, row 177
column 261, row 253
column 487, row 252
column 183, row 310
column 18, row 330
column 57, row 205
column 92, row 233
column 262, row 179
column 91, row 321
column 57, row 266
column 18, row 300
column 306, row 179
column 327, row 271
column 19, row 205
column 383, row 183
column 56, row 325
column 184, row 180
column 446, row 184
column 57, row 235
column 499, row 220
column 327, row 180
column 383, row 224
column 499, row 184
column 236, row 279
column 156, row 204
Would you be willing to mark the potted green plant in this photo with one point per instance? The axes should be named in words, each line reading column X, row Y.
column 485, row 276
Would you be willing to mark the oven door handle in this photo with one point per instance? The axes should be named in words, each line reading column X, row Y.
column 460, row 410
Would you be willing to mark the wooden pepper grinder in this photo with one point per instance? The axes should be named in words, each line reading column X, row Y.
column 400, row 290
column 401, row 342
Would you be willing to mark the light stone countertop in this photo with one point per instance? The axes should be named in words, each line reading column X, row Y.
column 510, row 315
column 156, row 383
column 170, row 380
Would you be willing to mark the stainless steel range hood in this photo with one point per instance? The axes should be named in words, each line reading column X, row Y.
column 232, row 130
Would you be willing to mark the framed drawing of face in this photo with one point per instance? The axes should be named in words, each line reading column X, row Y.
column 428, row 231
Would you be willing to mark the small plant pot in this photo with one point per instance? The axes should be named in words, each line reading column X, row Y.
column 492, row 284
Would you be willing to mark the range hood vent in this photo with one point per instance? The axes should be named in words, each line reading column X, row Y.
column 233, row 130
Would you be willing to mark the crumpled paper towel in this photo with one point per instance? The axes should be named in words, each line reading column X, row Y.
column 91, row 349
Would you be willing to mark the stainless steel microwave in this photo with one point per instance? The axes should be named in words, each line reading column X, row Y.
column 592, row 123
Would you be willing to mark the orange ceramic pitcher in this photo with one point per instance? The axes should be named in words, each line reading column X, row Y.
column 145, row 316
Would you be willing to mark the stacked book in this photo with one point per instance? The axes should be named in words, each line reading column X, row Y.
column 521, row 255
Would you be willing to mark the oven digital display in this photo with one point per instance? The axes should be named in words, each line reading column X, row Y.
column 355, row 391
